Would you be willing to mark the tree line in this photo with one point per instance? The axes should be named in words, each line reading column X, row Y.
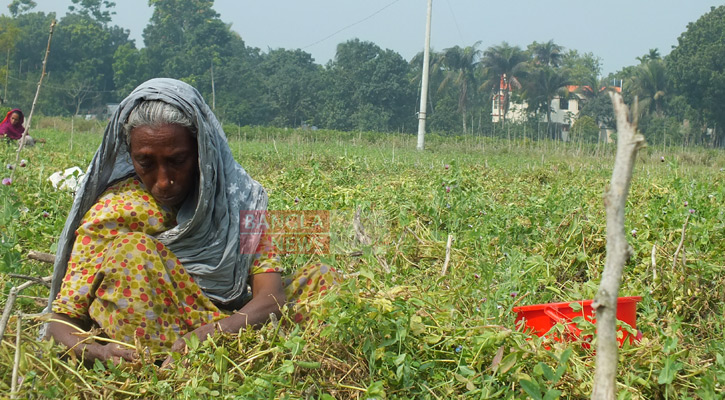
column 93, row 63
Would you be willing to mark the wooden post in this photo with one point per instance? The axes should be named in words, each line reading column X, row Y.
column 10, row 302
column 618, row 251
column 16, row 360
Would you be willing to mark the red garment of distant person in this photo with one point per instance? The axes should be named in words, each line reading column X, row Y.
column 12, row 125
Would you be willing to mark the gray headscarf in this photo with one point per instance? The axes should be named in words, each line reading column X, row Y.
column 207, row 238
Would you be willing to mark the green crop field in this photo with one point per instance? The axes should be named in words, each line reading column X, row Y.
column 527, row 224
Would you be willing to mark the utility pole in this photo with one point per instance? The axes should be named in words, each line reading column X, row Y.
column 424, row 81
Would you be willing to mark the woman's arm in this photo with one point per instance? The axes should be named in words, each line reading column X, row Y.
column 71, row 332
column 267, row 298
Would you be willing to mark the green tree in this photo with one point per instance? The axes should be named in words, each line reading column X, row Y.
column 543, row 84
column 9, row 33
column 435, row 75
column 460, row 66
column 505, row 65
column 26, row 60
column 585, row 128
column 547, row 54
column 184, row 38
column 129, row 69
column 697, row 69
column 366, row 87
column 81, row 63
column 292, row 81
column 652, row 55
column 596, row 101
column 241, row 96
column 581, row 67
column 18, row 7
column 94, row 9
column 650, row 86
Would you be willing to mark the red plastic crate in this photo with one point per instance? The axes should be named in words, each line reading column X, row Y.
column 540, row 318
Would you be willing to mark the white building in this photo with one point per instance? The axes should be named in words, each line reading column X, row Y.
column 564, row 110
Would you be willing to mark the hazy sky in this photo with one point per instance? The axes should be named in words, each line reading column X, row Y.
column 617, row 31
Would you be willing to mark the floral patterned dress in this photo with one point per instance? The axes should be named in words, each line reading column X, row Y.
column 135, row 289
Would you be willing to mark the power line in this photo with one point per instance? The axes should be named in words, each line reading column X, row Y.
column 350, row 26
column 455, row 21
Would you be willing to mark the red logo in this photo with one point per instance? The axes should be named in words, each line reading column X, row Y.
column 285, row 232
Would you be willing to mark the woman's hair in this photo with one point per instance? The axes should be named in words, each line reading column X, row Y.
column 156, row 113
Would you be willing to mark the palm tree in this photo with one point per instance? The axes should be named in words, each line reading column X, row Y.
column 652, row 55
column 544, row 84
column 460, row 66
column 547, row 54
column 435, row 72
column 595, row 93
column 650, row 85
column 505, row 65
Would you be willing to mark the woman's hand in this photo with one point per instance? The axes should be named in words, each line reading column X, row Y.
column 202, row 332
column 110, row 351
column 179, row 346
column 267, row 298
column 71, row 332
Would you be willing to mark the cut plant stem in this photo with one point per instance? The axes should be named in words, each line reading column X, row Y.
column 448, row 254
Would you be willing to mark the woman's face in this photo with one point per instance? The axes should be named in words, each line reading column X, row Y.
column 166, row 160
column 14, row 118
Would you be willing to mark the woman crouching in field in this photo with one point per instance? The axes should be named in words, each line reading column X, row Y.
column 151, row 251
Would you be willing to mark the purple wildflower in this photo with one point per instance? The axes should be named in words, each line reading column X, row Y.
column 692, row 211
column 7, row 181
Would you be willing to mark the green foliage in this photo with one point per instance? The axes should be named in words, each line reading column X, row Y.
column 696, row 64
column 505, row 65
column 292, row 80
column 18, row 7
column 94, row 9
column 545, row 83
column 650, row 86
column 585, row 128
column 597, row 104
column 582, row 67
column 460, row 65
column 528, row 227
column 363, row 80
column 183, row 39
column 363, row 88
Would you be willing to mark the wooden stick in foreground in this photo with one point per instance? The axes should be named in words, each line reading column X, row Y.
column 618, row 251
column 10, row 302
column 16, row 361
column 448, row 255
